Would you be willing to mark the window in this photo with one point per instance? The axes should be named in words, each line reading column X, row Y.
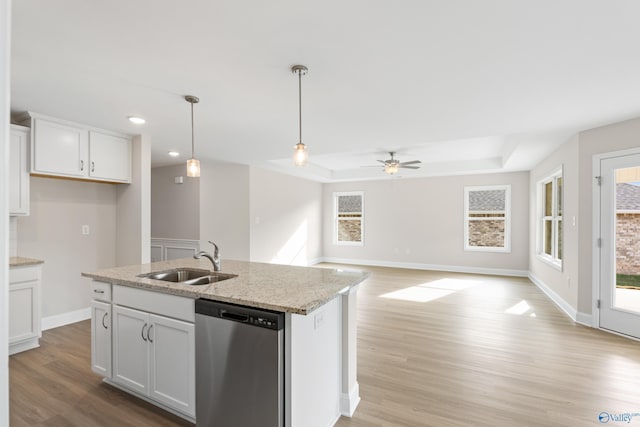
column 550, row 219
column 349, row 209
column 487, row 218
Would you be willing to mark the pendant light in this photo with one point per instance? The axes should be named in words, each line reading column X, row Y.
column 193, row 164
column 300, row 154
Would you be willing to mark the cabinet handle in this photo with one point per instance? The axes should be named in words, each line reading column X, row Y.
column 143, row 327
column 81, row 165
column 104, row 317
column 149, row 333
column 98, row 291
column 93, row 166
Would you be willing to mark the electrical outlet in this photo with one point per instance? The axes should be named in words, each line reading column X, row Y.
column 318, row 320
column 85, row 230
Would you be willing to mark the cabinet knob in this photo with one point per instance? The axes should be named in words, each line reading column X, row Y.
column 81, row 165
column 93, row 166
column 98, row 291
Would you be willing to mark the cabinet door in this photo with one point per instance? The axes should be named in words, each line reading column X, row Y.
column 22, row 311
column 110, row 157
column 19, row 171
column 59, row 149
column 101, row 338
column 130, row 348
column 172, row 363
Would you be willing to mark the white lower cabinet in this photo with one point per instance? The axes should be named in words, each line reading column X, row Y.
column 101, row 338
column 155, row 357
column 24, row 308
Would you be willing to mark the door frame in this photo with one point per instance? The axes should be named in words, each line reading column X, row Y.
column 596, row 233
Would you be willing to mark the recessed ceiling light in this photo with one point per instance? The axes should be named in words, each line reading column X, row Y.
column 174, row 153
column 137, row 120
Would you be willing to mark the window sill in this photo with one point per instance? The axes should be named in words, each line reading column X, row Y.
column 349, row 243
column 486, row 249
column 550, row 262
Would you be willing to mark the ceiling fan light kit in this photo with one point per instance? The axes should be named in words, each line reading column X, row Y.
column 300, row 153
column 392, row 165
column 193, row 164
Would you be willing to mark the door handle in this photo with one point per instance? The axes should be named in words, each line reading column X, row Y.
column 143, row 328
column 149, row 333
column 104, row 317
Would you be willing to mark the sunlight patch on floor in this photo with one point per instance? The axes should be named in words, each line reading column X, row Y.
column 520, row 308
column 431, row 291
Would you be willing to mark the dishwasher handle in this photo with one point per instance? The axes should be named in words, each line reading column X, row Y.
column 238, row 317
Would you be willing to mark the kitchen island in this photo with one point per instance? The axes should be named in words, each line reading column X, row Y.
column 319, row 304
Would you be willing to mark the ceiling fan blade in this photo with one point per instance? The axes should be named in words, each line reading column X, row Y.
column 408, row 167
column 382, row 161
column 412, row 162
column 370, row 166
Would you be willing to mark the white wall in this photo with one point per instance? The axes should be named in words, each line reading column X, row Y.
column 286, row 218
column 564, row 283
column 175, row 208
column 224, row 209
column 133, row 233
column 419, row 223
column 52, row 232
column 5, row 61
column 13, row 236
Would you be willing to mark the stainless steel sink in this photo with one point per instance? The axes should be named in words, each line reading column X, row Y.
column 189, row 276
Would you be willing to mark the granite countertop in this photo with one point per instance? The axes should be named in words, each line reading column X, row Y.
column 18, row 261
column 283, row 288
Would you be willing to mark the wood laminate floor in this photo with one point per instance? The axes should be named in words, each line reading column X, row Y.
column 435, row 349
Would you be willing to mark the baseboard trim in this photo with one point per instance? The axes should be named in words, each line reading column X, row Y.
column 58, row 320
column 557, row 299
column 349, row 402
column 420, row 266
column 584, row 319
column 24, row 345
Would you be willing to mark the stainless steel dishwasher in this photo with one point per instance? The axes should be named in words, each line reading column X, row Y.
column 239, row 366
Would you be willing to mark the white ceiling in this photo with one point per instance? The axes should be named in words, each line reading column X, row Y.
column 464, row 86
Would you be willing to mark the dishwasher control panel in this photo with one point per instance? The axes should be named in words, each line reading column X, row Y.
column 241, row 314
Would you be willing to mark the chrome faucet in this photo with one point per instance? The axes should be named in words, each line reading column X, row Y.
column 215, row 259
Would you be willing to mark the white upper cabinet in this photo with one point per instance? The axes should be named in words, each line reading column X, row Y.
column 110, row 157
column 19, row 171
column 72, row 150
column 59, row 149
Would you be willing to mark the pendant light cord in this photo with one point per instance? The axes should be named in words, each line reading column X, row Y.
column 192, row 135
column 300, row 103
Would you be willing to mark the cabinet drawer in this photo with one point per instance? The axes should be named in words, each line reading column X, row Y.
column 101, row 291
column 155, row 302
column 23, row 274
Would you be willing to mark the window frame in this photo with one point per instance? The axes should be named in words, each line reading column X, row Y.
column 507, row 218
column 556, row 218
column 336, row 218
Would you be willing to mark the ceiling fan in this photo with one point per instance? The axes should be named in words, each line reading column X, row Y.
column 392, row 165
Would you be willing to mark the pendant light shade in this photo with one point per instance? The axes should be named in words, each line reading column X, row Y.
column 193, row 164
column 300, row 153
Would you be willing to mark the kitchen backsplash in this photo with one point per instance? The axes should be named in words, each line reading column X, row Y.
column 13, row 236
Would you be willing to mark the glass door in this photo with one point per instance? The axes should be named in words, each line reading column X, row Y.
column 620, row 244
